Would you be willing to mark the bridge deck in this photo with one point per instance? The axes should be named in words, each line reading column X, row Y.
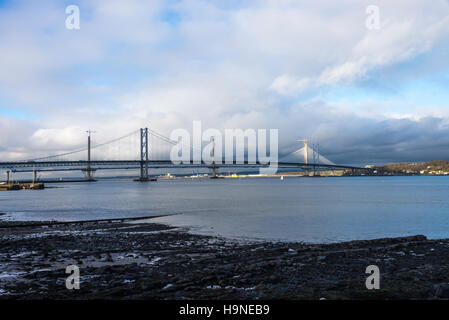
column 134, row 164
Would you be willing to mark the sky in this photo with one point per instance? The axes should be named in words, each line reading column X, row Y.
column 312, row 69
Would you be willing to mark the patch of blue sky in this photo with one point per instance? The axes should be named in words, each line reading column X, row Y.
column 234, row 4
column 174, row 17
column 17, row 113
column 425, row 66
column 171, row 17
column 110, row 74
column 355, row 93
column 6, row 3
column 428, row 91
column 419, row 93
column 419, row 82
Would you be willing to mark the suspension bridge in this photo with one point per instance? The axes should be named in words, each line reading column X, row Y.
column 146, row 149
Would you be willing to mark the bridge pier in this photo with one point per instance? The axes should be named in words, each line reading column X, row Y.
column 316, row 172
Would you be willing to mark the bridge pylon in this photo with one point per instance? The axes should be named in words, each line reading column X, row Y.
column 214, row 165
column 144, row 157
column 306, row 156
column 89, row 170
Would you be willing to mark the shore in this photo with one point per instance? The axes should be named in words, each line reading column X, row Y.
column 141, row 260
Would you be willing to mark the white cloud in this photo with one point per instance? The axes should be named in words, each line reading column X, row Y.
column 406, row 32
column 288, row 85
column 241, row 66
column 54, row 139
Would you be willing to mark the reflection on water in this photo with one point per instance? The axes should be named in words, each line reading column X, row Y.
column 294, row 209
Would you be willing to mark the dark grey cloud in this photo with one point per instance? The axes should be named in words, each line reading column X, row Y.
column 230, row 67
column 357, row 140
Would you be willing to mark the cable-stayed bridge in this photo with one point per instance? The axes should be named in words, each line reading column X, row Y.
column 146, row 149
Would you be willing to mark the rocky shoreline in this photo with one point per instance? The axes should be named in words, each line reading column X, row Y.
column 141, row 260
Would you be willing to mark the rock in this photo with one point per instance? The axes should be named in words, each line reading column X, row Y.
column 442, row 290
column 168, row 286
column 213, row 287
column 128, row 281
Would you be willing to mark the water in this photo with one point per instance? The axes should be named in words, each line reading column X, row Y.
column 294, row 209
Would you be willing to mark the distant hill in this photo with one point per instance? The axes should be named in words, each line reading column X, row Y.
column 427, row 167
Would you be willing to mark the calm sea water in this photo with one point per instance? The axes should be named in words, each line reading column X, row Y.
column 293, row 209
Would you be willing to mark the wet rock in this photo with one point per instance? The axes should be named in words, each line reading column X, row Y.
column 185, row 264
column 442, row 290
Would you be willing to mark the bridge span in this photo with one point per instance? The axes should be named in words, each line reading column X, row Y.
column 144, row 164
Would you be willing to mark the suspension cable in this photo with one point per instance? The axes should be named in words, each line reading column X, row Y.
column 84, row 149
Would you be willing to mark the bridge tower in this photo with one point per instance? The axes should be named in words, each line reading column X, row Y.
column 144, row 156
column 89, row 175
column 214, row 166
column 306, row 155
column 144, row 153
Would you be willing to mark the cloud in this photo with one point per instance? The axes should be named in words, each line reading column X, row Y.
column 288, row 85
column 54, row 139
column 403, row 35
column 257, row 64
